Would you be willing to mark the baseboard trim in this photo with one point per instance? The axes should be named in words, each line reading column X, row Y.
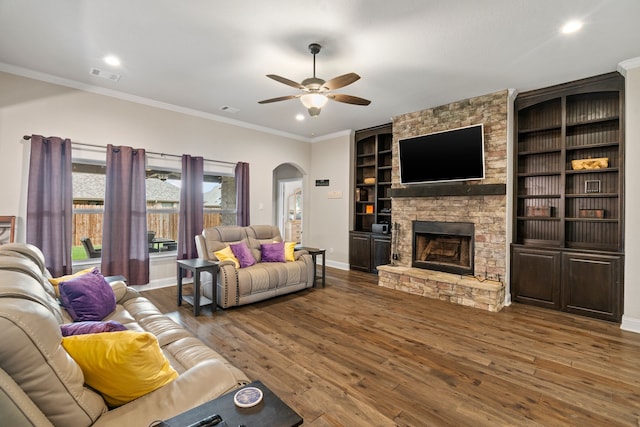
column 159, row 283
column 336, row 264
column 630, row 324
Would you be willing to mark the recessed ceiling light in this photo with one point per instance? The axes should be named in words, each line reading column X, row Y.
column 229, row 109
column 300, row 117
column 571, row 27
column 114, row 61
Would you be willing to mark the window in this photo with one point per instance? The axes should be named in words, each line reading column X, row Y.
column 163, row 206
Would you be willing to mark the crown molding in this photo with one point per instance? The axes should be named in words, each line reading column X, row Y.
column 628, row 64
column 36, row 75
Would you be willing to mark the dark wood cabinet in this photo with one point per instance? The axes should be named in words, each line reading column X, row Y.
column 536, row 275
column 372, row 201
column 592, row 285
column 569, row 196
column 369, row 250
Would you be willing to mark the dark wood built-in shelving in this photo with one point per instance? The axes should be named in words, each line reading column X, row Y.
column 565, row 260
column 372, row 204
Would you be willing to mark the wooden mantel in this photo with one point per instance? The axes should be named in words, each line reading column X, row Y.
column 433, row 190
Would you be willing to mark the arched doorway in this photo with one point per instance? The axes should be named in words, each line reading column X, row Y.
column 288, row 208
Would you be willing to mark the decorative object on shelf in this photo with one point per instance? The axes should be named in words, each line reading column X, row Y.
column 370, row 180
column 380, row 228
column 362, row 195
column 368, row 209
column 592, row 186
column 540, row 211
column 586, row 164
column 591, row 213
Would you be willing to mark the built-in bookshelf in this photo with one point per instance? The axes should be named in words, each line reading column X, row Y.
column 569, row 196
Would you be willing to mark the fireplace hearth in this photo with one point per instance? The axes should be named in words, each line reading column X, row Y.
column 443, row 246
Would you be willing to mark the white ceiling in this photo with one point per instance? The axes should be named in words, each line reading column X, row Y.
column 201, row 55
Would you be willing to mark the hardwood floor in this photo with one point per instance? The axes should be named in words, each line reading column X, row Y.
column 355, row 354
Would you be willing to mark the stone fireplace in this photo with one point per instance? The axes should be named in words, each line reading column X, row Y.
column 481, row 247
column 443, row 246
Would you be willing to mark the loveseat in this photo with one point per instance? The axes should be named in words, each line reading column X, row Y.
column 239, row 285
column 41, row 384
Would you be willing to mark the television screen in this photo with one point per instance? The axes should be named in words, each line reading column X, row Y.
column 452, row 155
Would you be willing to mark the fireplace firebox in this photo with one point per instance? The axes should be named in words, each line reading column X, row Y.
column 443, row 246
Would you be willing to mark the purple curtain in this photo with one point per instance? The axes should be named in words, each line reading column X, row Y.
column 242, row 194
column 125, row 248
column 190, row 222
column 50, row 202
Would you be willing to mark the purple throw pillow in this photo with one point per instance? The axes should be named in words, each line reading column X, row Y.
column 243, row 253
column 87, row 297
column 272, row 252
column 90, row 327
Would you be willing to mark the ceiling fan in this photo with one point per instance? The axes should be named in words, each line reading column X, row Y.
column 317, row 92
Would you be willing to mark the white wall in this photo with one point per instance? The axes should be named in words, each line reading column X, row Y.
column 631, row 316
column 30, row 106
column 328, row 212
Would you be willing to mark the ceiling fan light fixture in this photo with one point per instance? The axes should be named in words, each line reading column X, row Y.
column 314, row 100
column 314, row 111
column 318, row 91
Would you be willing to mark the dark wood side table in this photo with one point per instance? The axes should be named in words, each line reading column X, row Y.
column 197, row 266
column 270, row 412
column 314, row 252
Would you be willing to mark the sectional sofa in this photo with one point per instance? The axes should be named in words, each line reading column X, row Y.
column 44, row 377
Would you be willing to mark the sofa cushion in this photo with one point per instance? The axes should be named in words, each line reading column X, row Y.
column 289, row 249
column 55, row 281
column 87, row 297
column 122, row 366
column 90, row 327
column 243, row 253
column 272, row 252
column 227, row 254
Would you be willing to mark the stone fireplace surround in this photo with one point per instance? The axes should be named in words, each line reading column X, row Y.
column 484, row 205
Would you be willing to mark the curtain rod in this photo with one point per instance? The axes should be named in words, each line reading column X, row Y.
column 28, row 137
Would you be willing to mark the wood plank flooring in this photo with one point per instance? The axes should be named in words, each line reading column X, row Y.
column 355, row 354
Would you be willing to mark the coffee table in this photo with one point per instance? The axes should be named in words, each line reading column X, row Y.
column 270, row 412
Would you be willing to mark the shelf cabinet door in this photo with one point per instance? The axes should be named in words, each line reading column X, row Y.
column 368, row 250
column 359, row 251
column 536, row 276
column 592, row 285
column 381, row 248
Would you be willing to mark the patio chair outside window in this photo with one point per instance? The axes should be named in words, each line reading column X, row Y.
column 89, row 249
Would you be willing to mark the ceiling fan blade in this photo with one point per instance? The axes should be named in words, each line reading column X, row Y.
column 285, row 81
column 348, row 99
column 341, row 81
column 280, row 98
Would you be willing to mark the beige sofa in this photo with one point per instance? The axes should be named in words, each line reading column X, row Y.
column 239, row 286
column 41, row 385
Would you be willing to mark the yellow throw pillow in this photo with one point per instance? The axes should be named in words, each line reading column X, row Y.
column 121, row 366
column 55, row 281
column 289, row 247
column 227, row 254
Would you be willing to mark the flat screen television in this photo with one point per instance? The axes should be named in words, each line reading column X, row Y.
column 452, row 155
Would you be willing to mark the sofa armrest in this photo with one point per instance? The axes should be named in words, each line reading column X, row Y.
column 298, row 253
column 123, row 292
column 202, row 383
